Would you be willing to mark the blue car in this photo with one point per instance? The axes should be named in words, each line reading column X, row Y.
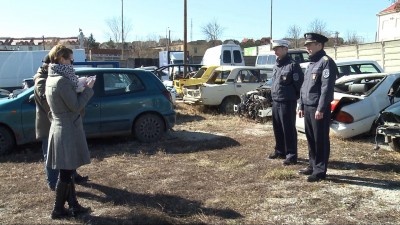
column 125, row 102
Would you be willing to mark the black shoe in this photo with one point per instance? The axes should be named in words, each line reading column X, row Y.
column 315, row 178
column 306, row 171
column 276, row 155
column 288, row 162
column 80, row 179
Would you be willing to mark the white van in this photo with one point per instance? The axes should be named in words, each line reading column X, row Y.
column 268, row 59
column 226, row 54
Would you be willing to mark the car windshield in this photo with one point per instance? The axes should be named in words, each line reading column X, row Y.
column 200, row 73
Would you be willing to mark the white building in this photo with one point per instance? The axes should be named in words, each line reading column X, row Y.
column 389, row 23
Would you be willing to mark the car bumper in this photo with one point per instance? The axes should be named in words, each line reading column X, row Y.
column 353, row 129
column 194, row 101
column 170, row 120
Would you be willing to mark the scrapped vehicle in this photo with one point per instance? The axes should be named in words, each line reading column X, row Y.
column 225, row 86
column 353, row 66
column 172, row 72
column 199, row 77
column 358, row 100
column 256, row 105
column 125, row 102
column 391, row 125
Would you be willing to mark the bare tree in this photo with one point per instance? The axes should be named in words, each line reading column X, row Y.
column 115, row 25
column 212, row 30
column 318, row 26
column 353, row 38
column 294, row 33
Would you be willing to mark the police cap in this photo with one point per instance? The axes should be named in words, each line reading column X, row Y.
column 314, row 37
column 279, row 43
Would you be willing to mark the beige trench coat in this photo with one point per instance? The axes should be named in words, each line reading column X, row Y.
column 67, row 140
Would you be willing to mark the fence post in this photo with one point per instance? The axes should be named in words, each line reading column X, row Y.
column 357, row 51
column 383, row 55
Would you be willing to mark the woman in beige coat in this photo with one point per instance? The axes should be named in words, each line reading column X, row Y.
column 67, row 148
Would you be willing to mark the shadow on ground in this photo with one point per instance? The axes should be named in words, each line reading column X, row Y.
column 168, row 209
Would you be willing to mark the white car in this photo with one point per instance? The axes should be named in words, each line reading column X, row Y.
column 358, row 100
column 225, row 86
column 353, row 66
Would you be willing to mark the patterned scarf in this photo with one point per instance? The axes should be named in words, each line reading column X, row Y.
column 64, row 70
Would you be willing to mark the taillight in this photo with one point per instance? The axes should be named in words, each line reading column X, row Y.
column 167, row 94
column 344, row 117
column 334, row 104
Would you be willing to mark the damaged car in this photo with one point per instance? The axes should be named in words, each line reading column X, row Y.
column 225, row 86
column 358, row 100
column 390, row 117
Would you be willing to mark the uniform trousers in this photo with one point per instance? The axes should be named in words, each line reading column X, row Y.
column 317, row 133
column 284, row 125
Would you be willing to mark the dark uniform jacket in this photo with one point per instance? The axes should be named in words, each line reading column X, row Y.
column 319, row 82
column 287, row 78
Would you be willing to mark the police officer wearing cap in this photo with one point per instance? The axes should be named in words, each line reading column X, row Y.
column 316, row 95
column 287, row 78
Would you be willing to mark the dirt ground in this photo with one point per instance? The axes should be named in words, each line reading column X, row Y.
column 211, row 169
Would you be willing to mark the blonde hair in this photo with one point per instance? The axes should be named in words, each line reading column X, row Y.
column 59, row 51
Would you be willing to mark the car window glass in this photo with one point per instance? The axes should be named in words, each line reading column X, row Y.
column 368, row 68
column 271, row 60
column 118, row 83
column 200, row 73
column 226, row 57
column 261, row 60
column 219, row 76
column 237, row 56
column 264, row 75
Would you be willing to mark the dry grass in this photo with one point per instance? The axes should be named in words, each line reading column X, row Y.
column 210, row 170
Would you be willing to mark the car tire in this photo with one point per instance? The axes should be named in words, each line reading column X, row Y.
column 395, row 144
column 227, row 104
column 7, row 142
column 149, row 128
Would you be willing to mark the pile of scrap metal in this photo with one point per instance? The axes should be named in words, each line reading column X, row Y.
column 255, row 105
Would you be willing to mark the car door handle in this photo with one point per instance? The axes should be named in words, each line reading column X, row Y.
column 94, row 105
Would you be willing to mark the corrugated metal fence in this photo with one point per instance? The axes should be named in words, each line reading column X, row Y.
column 387, row 53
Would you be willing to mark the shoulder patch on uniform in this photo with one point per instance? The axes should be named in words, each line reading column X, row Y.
column 325, row 58
column 296, row 77
column 325, row 73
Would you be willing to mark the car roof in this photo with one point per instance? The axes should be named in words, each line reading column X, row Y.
column 341, row 62
column 101, row 69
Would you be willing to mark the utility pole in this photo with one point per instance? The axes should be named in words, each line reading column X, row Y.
column 44, row 48
column 270, row 46
column 185, row 37
column 122, row 28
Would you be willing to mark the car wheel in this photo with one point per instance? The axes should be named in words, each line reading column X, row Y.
column 395, row 144
column 149, row 128
column 228, row 103
column 7, row 142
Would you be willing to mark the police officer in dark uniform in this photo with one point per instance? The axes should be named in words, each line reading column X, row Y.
column 287, row 78
column 315, row 105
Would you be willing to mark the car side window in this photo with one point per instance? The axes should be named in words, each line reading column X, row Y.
column 118, row 83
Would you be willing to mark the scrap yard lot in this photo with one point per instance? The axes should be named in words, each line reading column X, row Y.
column 211, row 169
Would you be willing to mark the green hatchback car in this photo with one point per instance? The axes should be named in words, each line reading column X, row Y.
column 125, row 102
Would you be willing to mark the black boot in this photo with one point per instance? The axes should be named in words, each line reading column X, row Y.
column 74, row 207
column 61, row 197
